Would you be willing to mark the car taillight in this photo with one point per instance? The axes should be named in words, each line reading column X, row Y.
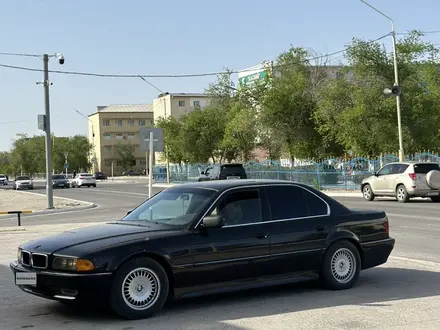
column 387, row 225
column 81, row 178
column 412, row 176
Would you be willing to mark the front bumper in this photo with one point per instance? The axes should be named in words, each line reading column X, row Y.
column 66, row 286
column 24, row 186
column 61, row 184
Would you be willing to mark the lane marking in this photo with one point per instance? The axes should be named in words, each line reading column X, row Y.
column 120, row 192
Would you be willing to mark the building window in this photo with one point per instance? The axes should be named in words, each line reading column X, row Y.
column 106, row 122
column 141, row 122
column 107, row 136
column 119, row 122
column 131, row 136
column 196, row 104
column 107, row 162
column 119, row 136
column 181, row 103
column 131, row 122
column 108, row 149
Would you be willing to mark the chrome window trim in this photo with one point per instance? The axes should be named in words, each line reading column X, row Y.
column 40, row 254
column 269, row 221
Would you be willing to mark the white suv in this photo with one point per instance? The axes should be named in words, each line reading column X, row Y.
column 404, row 180
column 3, row 180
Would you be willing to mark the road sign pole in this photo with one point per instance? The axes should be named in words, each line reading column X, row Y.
column 49, row 191
column 150, row 167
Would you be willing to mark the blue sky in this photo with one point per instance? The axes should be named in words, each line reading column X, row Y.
column 166, row 37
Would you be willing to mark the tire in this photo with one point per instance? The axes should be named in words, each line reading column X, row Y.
column 342, row 255
column 401, row 194
column 367, row 193
column 435, row 199
column 94, row 186
column 144, row 270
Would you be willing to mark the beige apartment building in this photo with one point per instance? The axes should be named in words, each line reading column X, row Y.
column 178, row 104
column 114, row 125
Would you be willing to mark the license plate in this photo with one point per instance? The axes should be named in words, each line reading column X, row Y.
column 22, row 278
column 232, row 177
column 433, row 193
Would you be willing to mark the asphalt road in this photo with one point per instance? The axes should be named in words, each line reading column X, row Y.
column 403, row 294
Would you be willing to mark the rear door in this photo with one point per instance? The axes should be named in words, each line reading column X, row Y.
column 394, row 177
column 300, row 226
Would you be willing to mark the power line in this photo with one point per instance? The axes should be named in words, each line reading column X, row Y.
column 20, row 54
column 13, row 122
column 207, row 74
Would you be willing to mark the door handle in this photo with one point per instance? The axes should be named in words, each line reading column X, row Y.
column 321, row 228
column 263, row 236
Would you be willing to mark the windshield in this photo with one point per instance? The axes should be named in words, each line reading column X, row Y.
column 20, row 178
column 232, row 169
column 178, row 206
column 58, row 177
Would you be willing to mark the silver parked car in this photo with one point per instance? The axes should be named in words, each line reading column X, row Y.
column 404, row 180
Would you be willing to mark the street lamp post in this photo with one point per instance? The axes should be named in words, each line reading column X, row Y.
column 396, row 78
column 65, row 163
column 93, row 139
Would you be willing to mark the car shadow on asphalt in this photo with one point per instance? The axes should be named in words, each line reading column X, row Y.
column 375, row 288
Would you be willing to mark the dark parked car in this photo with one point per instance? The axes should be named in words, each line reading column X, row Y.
column 223, row 172
column 207, row 237
column 100, row 176
column 60, row 181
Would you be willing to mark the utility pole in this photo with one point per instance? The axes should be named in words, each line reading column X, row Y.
column 49, row 191
column 66, row 164
column 396, row 79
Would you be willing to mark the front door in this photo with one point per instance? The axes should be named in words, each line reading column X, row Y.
column 300, row 227
column 224, row 256
column 379, row 183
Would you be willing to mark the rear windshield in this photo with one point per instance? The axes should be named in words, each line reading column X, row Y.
column 57, row 177
column 2, row 176
column 232, row 169
column 425, row 168
column 84, row 174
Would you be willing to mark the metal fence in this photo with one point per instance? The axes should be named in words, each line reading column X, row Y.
column 332, row 173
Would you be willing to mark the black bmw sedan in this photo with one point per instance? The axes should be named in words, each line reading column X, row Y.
column 206, row 237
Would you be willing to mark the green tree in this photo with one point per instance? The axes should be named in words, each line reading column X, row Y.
column 172, row 130
column 288, row 106
column 241, row 131
column 125, row 154
column 352, row 111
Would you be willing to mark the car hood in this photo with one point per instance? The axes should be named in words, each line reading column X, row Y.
column 23, row 181
column 84, row 240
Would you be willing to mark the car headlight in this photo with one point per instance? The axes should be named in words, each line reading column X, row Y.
column 72, row 264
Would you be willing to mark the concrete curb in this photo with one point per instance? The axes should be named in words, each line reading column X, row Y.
column 88, row 206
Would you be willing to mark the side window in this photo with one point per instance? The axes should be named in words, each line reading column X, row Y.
column 290, row 202
column 207, row 171
column 386, row 170
column 399, row 168
column 240, row 207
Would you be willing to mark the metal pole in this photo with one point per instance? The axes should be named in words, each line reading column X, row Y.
column 112, row 170
column 166, row 147
column 396, row 83
column 396, row 78
column 65, row 154
column 150, row 166
column 49, row 191
column 147, row 163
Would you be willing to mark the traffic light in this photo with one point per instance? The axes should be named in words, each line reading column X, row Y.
column 394, row 91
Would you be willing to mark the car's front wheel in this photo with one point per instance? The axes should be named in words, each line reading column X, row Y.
column 139, row 289
column 367, row 193
column 341, row 266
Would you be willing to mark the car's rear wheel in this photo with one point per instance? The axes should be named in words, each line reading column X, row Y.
column 435, row 199
column 139, row 289
column 401, row 194
column 341, row 266
column 367, row 192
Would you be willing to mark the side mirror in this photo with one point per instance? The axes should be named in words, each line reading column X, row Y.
column 129, row 212
column 212, row 221
column 202, row 173
column 375, row 174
